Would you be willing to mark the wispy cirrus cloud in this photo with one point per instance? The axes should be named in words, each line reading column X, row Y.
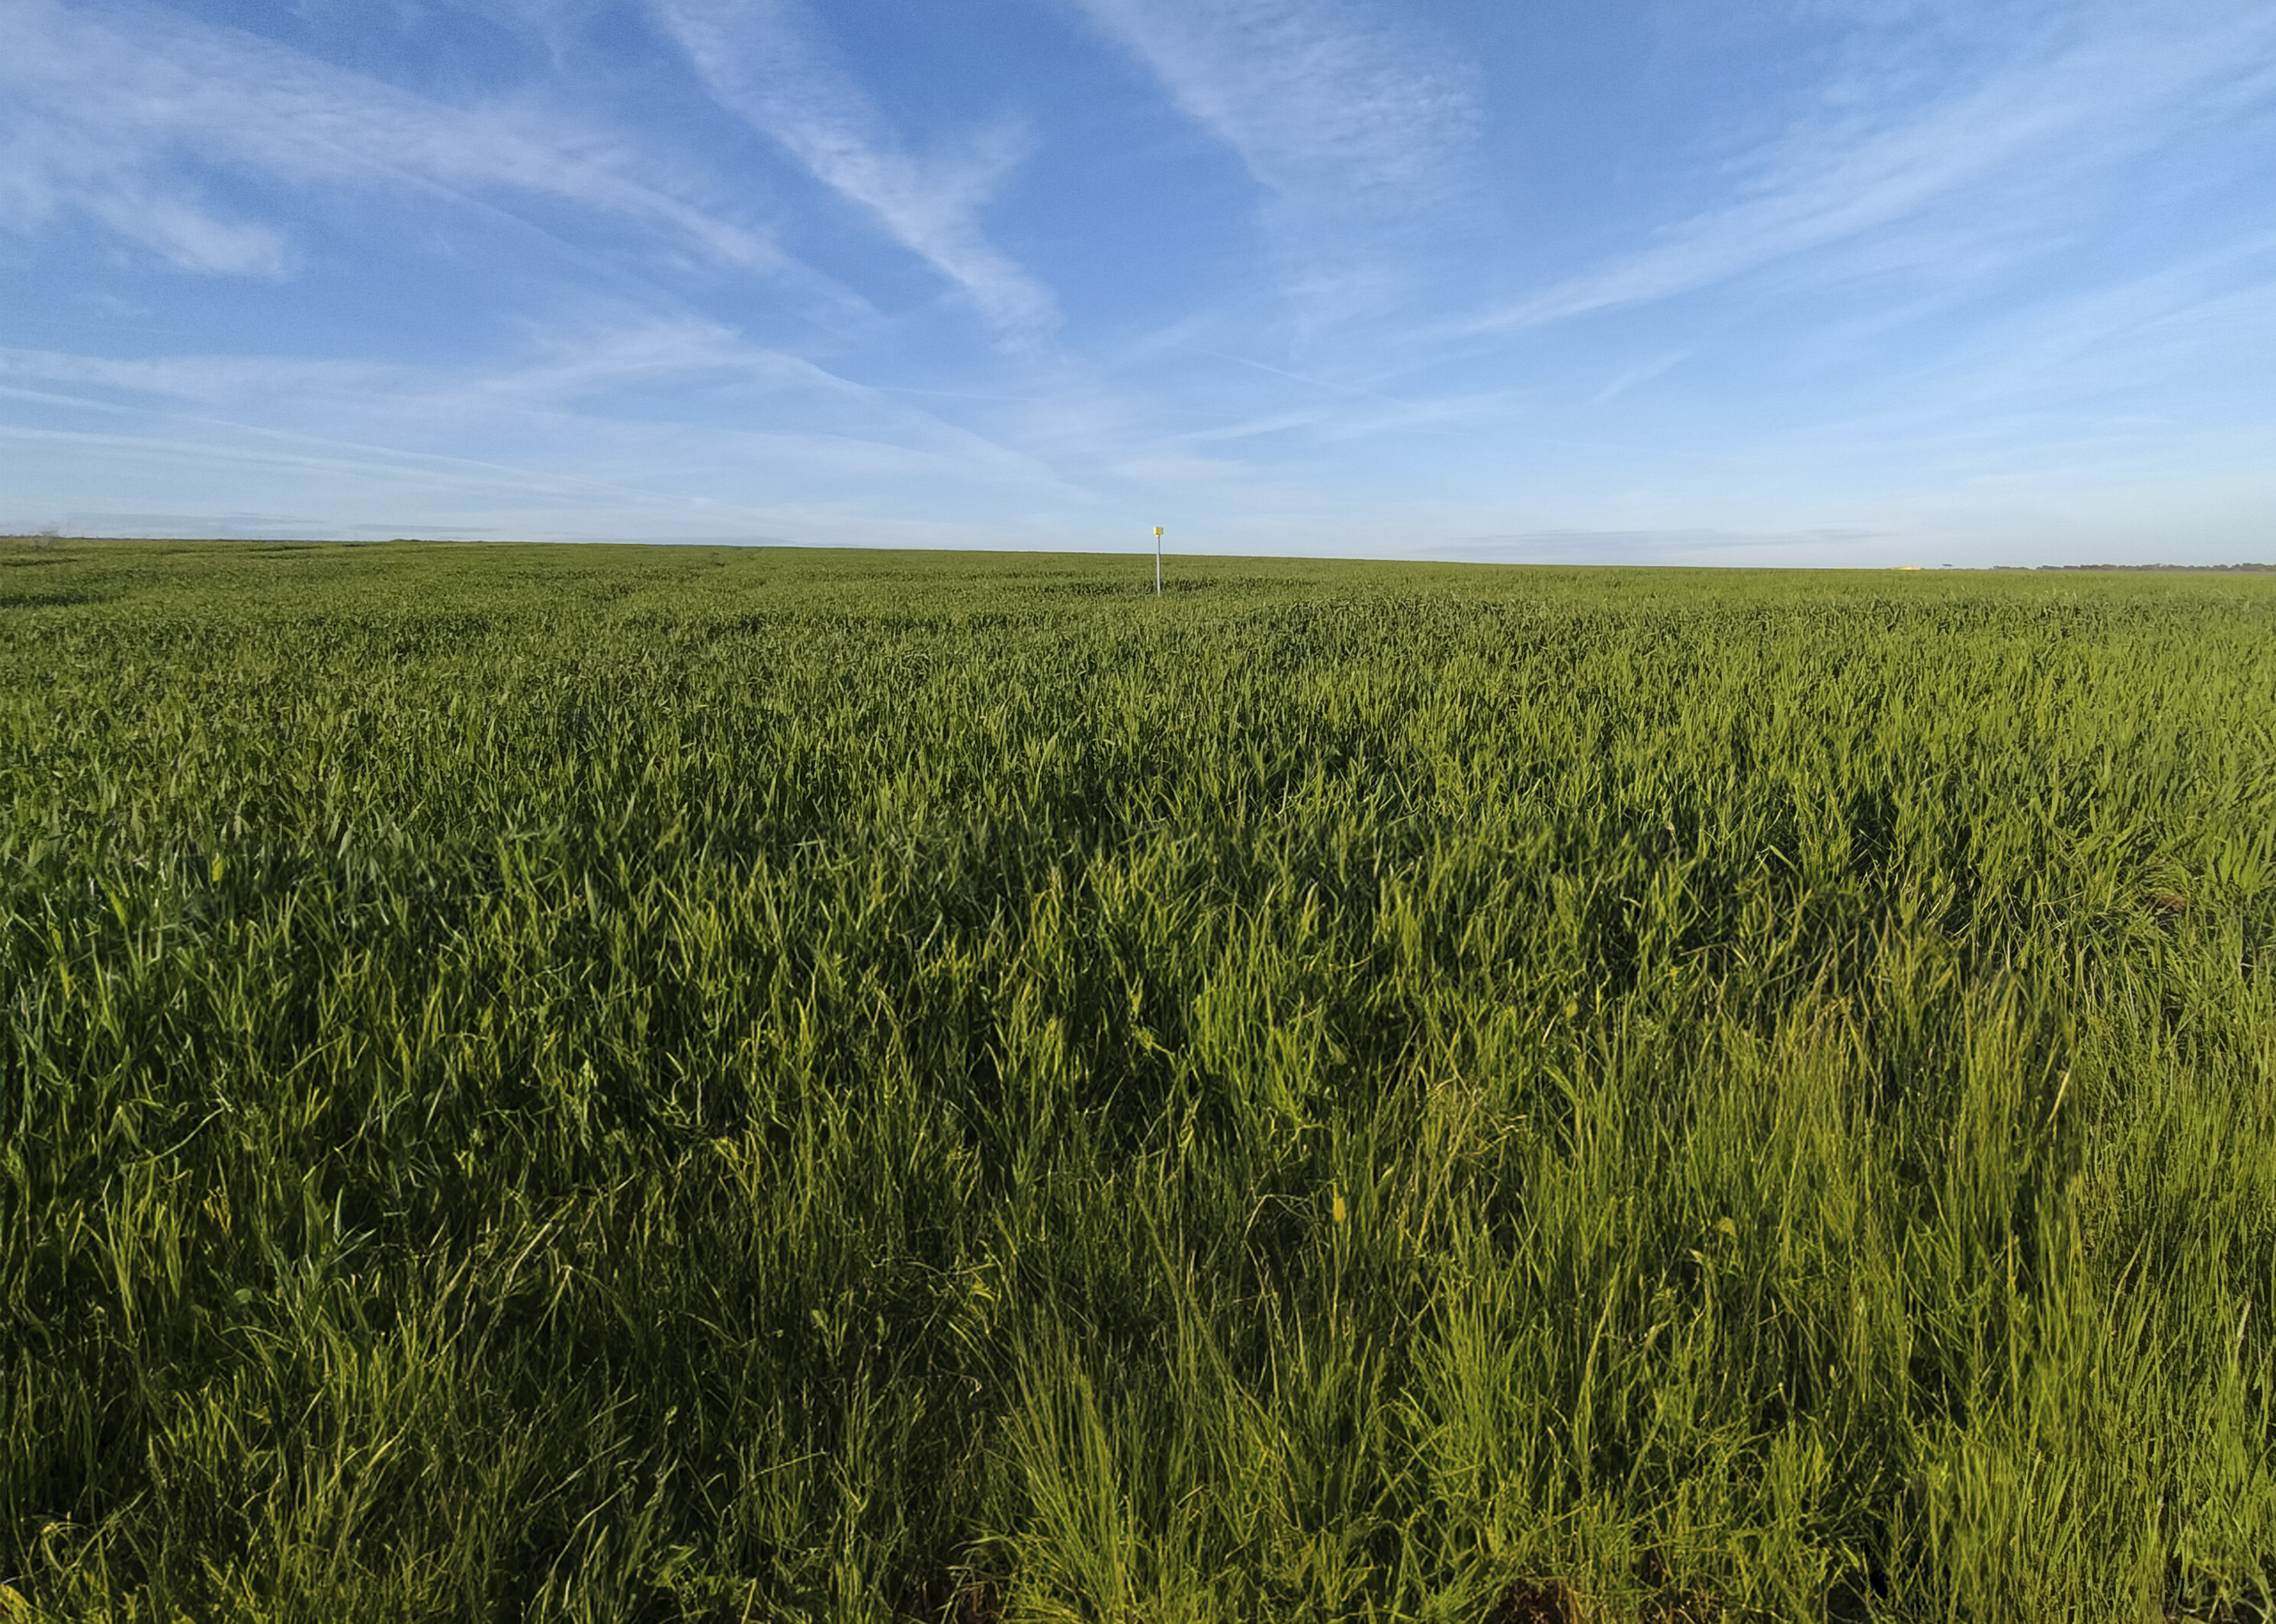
column 1354, row 124
column 2099, row 354
column 1956, row 178
column 208, row 380
column 114, row 110
column 575, row 383
column 760, row 60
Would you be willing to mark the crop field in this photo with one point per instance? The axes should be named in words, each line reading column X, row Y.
column 628, row 1085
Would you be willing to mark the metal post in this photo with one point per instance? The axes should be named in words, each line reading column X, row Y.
column 1158, row 561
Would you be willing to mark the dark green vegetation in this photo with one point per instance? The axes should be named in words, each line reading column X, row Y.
column 651, row 1085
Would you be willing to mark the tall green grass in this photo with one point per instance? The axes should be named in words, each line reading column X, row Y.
column 607, row 1085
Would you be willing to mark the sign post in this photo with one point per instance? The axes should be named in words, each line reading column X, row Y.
column 1158, row 561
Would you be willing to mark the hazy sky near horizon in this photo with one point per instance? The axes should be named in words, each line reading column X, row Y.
column 1755, row 281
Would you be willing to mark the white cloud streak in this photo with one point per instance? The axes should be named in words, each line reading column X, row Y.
column 760, row 61
column 2015, row 149
column 1353, row 125
column 573, row 388
column 109, row 110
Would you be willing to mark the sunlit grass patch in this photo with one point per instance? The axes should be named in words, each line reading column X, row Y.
column 658, row 1084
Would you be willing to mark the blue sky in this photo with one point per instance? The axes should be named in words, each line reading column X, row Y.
column 1688, row 281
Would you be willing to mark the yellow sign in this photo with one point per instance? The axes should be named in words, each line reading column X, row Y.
column 1157, row 529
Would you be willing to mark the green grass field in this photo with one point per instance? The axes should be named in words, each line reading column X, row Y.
column 628, row 1085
